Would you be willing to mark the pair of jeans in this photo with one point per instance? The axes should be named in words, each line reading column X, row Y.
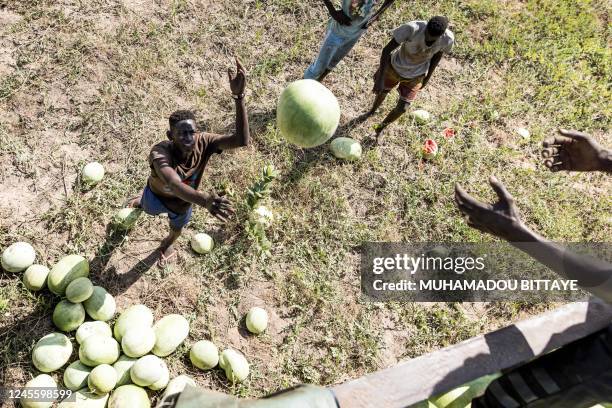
column 334, row 48
column 152, row 205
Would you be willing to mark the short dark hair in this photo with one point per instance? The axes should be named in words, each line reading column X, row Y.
column 437, row 25
column 179, row 115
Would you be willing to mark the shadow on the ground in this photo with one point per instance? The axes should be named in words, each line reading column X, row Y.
column 110, row 278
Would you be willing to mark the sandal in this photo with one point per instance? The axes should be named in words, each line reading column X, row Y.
column 166, row 260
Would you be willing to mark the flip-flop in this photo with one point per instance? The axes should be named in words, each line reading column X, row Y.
column 166, row 260
column 129, row 200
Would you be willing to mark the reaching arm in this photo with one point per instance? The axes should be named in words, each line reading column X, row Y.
column 576, row 151
column 502, row 220
column 219, row 207
column 377, row 15
column 433, row 64
column 337, row 15
column 242, row 137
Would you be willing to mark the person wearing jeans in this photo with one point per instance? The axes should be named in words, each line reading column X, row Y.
column 345, row 28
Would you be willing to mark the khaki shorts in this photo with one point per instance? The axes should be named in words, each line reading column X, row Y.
column 408, row 87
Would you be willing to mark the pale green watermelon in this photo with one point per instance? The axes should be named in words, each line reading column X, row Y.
column 308, row 113
column 96, row 350
column 147, row 370
column 204, row 355
column 90, row 328
column 346, row 148
column 102, row 379
column 123, row 367
column 35, row 277
column 170, row 332
column 17, row 257
column 75, row 376
column 65, row 271
column 40, row 381
column 137, row 315
column 51, row 352
column 85, row 399
column 79, row 290
column 129, row 396
column 100, row 305
column 68, row 316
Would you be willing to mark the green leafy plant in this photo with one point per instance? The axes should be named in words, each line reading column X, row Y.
column 255, row 194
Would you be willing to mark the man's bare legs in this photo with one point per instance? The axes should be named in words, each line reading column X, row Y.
column 378, row 100
column 399, row 110
column 168, row 251
column 167, row 246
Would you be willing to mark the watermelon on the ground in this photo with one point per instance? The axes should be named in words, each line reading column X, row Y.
column 65, row 271
column 35, row 277
column 100, row 305
column 79, row 290
column 51, row 352
column 40, row 381
column 75, row 376
column 96, row 350
column 17, row 257
column 170, row 332
column 130, row 396
column 346, row 148
column 133, row 316
column 123, row 366
column 92, row 328
column 68, row 316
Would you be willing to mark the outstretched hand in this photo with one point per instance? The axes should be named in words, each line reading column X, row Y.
column 237, row 81
column 500, row 219
column 572, row 151
column 220, row 207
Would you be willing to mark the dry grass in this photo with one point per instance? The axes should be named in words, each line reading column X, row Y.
column 96, row 80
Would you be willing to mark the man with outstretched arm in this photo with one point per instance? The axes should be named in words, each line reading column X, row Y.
column 580, row 373
column 346, row 26
column 408, row 61
column 177, row 165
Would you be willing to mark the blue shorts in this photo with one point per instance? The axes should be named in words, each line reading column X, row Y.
column 152, row 205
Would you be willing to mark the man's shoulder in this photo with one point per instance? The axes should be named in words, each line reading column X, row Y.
column 408, row 30
column 161, row 150
column 207, row 138
column 448, row 37
column 163, row 146
column 417, row 25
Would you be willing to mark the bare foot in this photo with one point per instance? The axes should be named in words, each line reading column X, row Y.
column 377, row 133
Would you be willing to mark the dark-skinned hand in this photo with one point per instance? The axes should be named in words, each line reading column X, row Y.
column 237, row 81
column 500, row 219
column 572, row 151
column 219, row 206
column 341, row 18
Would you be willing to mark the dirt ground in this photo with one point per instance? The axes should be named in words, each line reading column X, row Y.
column 96, row 80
